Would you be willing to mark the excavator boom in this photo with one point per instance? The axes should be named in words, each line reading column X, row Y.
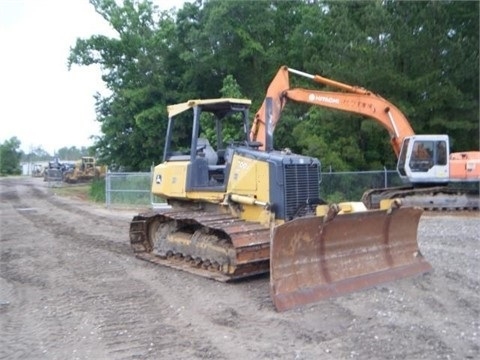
column 353, row 99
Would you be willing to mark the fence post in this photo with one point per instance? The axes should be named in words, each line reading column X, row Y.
column 107, row 189
column 385, row 177
column 151, row 181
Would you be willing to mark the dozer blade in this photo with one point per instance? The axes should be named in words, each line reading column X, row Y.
column 315, row 258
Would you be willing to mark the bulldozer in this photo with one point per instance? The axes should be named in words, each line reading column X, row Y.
column 239, row 208
column 84, row 170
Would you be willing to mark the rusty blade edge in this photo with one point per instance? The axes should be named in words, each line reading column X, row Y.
column 294, row 299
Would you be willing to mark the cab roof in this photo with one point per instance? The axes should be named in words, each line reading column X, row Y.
column 211, row 105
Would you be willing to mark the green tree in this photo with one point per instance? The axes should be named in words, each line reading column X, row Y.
column 36, row 154
column 421, row 56
column 10, row 157
column 72, row 153
column 133, row 70
column 437, row 66
column 343, row 41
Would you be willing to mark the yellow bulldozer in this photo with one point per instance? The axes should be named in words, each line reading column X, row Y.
column 84, row 170
column 240, row 208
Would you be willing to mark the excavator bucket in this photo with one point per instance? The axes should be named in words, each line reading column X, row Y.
column 315, row 258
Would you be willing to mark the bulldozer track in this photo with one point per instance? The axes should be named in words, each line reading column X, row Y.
column 218, row 246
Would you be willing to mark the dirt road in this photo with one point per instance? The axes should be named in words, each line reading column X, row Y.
column 71, row 289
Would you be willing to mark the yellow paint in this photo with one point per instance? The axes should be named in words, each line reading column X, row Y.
column 208, row 196
column 169, row 179
column 351, row 206
column 321, row 210
column 243, row 175
column 345, row 208
column 250, row 178
column 386, row 204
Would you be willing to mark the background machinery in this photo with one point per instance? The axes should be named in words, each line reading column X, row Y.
column 240, row 208
column 84, row 170
column 434, row 177
column 54, row 171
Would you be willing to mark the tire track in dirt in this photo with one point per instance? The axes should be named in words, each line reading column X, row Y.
column 183, row 316
column 122, row 306
column 19, row 274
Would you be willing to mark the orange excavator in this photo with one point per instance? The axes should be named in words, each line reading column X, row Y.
column 436, row 178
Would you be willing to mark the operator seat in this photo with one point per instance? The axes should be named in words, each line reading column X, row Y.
column 210, row 154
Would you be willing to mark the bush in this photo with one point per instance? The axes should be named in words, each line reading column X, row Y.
column 97, row 190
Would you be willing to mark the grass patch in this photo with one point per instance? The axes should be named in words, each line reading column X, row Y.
column 130, row 189
column 92, row 191
column 79, row 191
column 124, row 190
column 97, row 190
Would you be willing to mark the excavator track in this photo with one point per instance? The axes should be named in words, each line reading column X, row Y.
column 438, row 198
column 213, row 245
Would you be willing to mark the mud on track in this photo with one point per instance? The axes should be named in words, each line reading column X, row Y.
column 70, row 288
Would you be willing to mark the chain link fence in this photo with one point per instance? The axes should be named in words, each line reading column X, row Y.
column 129, row 188
column 350, row 186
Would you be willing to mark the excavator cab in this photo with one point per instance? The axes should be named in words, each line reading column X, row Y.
column 424, row 159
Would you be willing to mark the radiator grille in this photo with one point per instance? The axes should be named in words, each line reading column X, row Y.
column 301, row 186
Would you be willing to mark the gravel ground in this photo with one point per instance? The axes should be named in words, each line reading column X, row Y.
column 70, row 288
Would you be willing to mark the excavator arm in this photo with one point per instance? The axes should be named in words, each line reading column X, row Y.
column 351, row 99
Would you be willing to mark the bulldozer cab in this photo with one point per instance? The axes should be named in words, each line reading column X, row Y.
column 199, row 132
column 87, row 162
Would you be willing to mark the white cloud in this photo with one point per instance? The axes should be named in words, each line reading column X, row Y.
column 41, row 102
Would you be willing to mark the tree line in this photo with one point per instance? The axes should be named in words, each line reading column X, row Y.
column 421, row 56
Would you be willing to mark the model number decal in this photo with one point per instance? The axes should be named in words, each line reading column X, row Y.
column 242, row 165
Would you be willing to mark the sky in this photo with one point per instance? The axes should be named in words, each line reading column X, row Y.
column 42, row 103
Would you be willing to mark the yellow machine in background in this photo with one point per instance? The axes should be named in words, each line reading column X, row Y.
column 84, row 170
column 240, row 208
